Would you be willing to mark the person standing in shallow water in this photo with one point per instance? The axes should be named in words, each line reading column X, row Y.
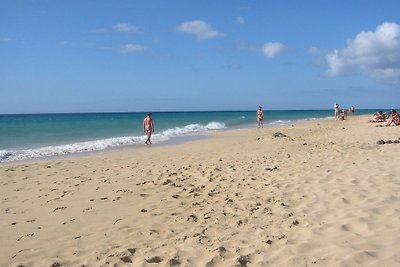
column 260, row 117
column 337, row 113
column 148, row 127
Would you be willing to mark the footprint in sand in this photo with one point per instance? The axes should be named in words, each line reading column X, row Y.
column 174, row 262
column 87, row 209
column 16, row 254
column 59, row 208
column 126, row 259
column 155, row 259
column 24, row 236
column 117, row 220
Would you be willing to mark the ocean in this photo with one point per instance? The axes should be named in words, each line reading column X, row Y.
column 30, row 136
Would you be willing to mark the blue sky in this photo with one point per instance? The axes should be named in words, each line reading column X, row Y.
column 178, row 55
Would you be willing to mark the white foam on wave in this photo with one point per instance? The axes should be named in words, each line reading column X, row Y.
column 96, row 145
column 315, row 119
column 281, row 122
column 287, row 122
column 188, row 129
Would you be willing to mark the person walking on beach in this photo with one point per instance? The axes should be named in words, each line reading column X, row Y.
column 260, row 117
column 148, row 127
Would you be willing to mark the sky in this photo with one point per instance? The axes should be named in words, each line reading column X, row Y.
column 62, row 56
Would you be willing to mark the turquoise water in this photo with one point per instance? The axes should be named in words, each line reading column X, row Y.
column 40, row 135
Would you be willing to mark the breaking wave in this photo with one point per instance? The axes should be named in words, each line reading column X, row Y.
column 97, row 145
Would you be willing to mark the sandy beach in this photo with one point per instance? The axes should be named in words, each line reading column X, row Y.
column 324, row 194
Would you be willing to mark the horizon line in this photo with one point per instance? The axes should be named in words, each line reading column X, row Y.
column 177, row 111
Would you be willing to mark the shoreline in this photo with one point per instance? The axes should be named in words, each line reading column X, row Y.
column 172, row 141
column 36, row 145
column 109, row 150
column 324, row 195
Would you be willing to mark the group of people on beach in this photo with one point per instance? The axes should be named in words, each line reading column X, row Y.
column 392, row 117
column 341, row 114
column 148, row 124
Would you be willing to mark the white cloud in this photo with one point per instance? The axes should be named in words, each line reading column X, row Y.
column 129, row 48
column 201, row 29
column 240, row 20
column 98, row 30
column 248, row 47
column 121, row 27
column 68, row 43
column 376, row 53
column 5, row 39
column 271, row 50
column 313, row 50
column 235, row 66
column 125, row 27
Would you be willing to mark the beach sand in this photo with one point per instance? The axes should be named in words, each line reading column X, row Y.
column 325, row 195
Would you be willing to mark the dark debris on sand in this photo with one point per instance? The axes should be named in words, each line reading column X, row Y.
column 279, row 134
